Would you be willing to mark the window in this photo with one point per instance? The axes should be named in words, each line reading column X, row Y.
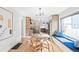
column 75, row 21
column 66, row 23
column 70, row 26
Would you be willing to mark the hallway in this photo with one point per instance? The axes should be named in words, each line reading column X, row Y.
column 39, row 29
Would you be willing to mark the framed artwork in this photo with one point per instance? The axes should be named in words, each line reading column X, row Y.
column 6, row 24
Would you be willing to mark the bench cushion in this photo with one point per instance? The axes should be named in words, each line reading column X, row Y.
column 66, row 42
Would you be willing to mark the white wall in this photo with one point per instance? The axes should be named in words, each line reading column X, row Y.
column 51, row 27
column 23, row 26
column 7, row 44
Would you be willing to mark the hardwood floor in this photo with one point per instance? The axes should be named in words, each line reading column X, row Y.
column 35, row 45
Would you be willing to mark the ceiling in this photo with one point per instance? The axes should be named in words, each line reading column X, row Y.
column 34, row 11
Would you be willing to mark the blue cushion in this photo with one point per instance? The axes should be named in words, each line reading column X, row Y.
column 63, row 39
column 69, row 44
column 60, row 34
column 66, row 42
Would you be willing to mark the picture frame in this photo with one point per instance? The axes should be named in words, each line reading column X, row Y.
column 6, row 24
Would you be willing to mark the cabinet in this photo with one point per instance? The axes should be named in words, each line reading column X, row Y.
column 54, row 24
column 28, row 26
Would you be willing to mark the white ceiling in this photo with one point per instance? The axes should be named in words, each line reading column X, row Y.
column 33, row 11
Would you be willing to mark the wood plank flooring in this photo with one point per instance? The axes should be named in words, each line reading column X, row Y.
column 27, row 46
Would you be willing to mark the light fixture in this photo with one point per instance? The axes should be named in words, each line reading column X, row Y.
column 40, row 12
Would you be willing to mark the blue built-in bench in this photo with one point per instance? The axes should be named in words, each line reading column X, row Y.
column 60, row 36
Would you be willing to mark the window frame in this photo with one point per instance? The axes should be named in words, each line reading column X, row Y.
column 71, row 15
